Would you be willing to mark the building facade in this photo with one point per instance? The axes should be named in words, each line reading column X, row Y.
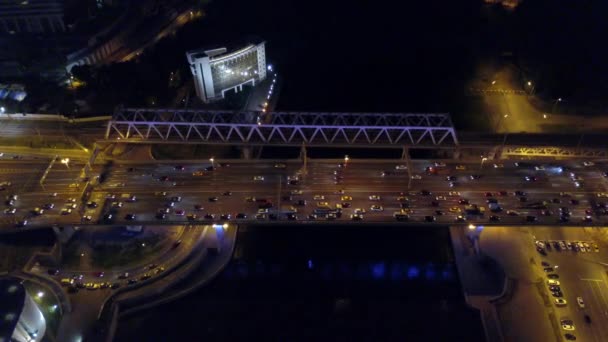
column 217, row 71
column 22, row 320
column 31, row 16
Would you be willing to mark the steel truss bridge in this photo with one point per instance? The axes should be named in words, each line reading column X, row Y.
column 143, row 125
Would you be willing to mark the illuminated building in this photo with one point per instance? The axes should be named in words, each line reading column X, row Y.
column 21, row 319
column 217, row 71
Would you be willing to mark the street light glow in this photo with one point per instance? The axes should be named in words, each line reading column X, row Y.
column 529, row 83
column 2, row 109
column 471, row 227
column 40, row 294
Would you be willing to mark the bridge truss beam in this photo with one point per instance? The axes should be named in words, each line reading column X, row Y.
column 558, row 152
column 282, row 128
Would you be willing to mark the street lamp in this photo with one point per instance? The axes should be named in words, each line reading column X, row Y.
column 483, row 159
column 2, row 110
column 531, row 85
column 555, row 102
column 212, row 160
column 346, row 159
column 40, row 294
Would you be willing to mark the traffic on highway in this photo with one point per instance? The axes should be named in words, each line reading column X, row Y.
column 509, row 192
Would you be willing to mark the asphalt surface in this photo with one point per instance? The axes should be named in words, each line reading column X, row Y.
column 581, row 274
column 357, row 180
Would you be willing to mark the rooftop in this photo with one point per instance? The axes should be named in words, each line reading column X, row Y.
column 12, row 297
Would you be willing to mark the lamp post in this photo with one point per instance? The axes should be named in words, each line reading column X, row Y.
column 212, row 160
column 531, row 86
column 555, row 102
column 346, row 159
column 483, row 159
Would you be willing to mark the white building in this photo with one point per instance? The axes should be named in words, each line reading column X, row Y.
column 21, row 320
column 31, row 16
column 216, row 71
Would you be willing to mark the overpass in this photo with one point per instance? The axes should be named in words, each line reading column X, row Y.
column 375, row 130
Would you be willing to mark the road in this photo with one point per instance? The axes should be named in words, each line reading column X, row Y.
column 358, row 180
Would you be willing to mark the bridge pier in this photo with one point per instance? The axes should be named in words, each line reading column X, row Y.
column 246, row 153
column 304, row 158
column 457, row 153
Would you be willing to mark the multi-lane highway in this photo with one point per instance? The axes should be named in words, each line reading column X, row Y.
column 431, row 197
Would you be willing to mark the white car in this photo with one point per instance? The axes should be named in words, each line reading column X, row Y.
column 567, row 324
column 359, row 211
column 580, row 302
column 560, row 302
column 602, row 194
column 374, row 198
column 440, row 198
column 400, row 167
column 66, row 211
column 296, row 192
column 551, row 282
column 376, row 208
column 499, row 166
column 454, row 193
column 588, row 163
column 318, row 197
column 258, row 178
column 10, row 211
column 438, row 164
column 416, row 177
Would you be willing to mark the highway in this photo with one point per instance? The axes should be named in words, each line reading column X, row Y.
column 427, row 196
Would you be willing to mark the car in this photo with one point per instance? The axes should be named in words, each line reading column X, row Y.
column 87, row 218
column 130, row 217
column 460, row 167
column 557, row 294
column 66, row 211
column 356, row 217
column 318, row 197
column 546, row 212
column 163, row 178
column 132, row 281
column 474, row 177
column 440, row 198
column 567, row 324
column 114, row 286
column 359, row 211
column 52, row 271
column 461, row 218
column 416, row 177
column 322, row 204
column 401, row 167
column 376, row 208
column 494, row 218
column 553, row 282
column 429, row 218
column 213, row 199
column 554, row 288
column 180, row 212
column 499, row 166
column 161, row 216
column 10, row 211
column 225, row 216
column 191, row 217
column 296, row 192
column 463, row 201
column 227, row 193
column 92, row 286
column 560, row 302
column 179, row 168
column 553, row 276
column 209, row 216
column 587, row 319
column 280, row 166
column 455, row 210
column 211, row 168
column 574, row 202
column 588, row 163
column 346, row 198
column 450, row 178
column 580, row 302
column 145, row 276
column 512, row 213
column 530, row 178
column 374, row 197
column 92, row 204
column 258, row 178
column 454, row 193
column 241, row 216
column 199, row 207
column 587, row 218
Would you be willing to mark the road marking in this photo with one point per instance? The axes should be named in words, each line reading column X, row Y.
column 591, row 279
